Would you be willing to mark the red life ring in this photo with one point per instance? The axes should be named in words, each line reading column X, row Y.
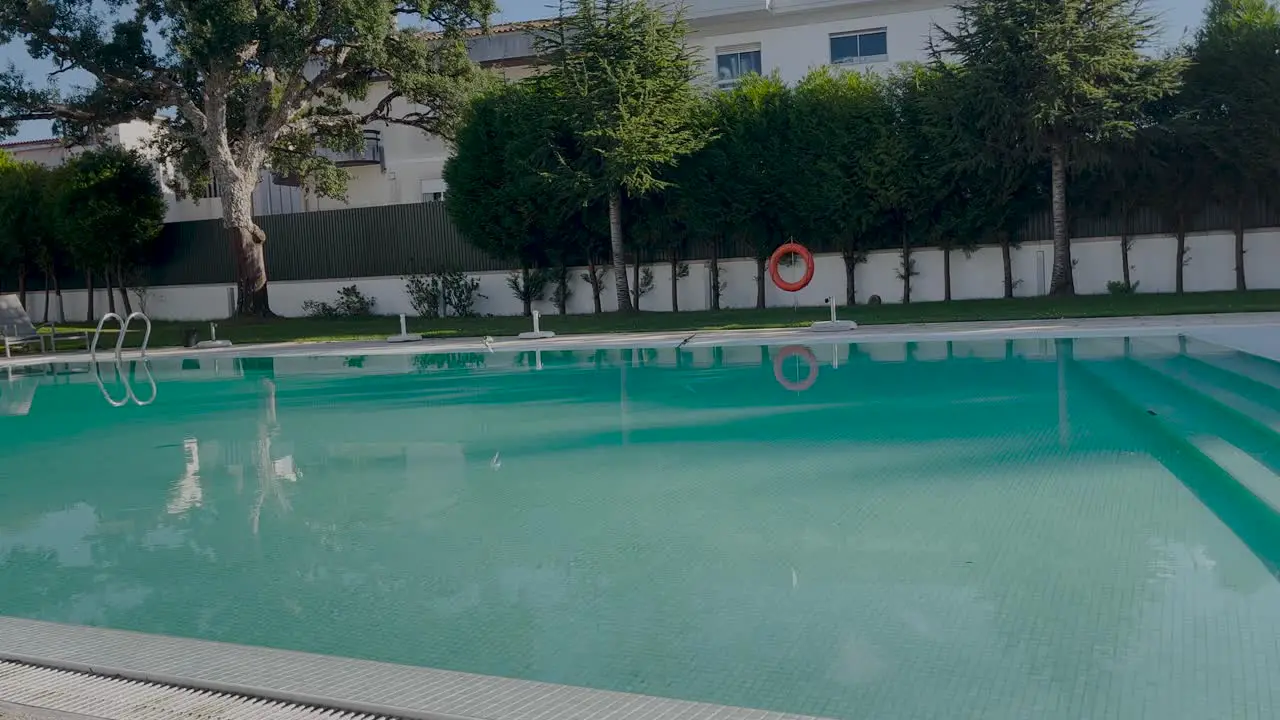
column 784, row 250
column 810, row 360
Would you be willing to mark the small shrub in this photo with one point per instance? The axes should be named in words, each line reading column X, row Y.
column 350, row 303
column 1120, row 287
column 424, row 293
column 562, row 291
column 450, row 292
column 528, row 286
column 646, row 281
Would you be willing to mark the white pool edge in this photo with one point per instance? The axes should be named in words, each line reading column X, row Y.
column 925, row 332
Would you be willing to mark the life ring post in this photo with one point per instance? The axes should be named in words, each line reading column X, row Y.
column 791, row 248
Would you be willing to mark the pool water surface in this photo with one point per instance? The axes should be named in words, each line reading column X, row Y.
column 1048, row 529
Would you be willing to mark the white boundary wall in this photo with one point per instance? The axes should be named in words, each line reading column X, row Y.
column 1211, row 266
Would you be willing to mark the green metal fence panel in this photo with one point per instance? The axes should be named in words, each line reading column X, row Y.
column 393, row 240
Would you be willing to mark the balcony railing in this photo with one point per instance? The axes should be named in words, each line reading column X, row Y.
column 370, row 154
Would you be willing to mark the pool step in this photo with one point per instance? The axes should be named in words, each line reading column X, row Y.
column 1205, row 417
column 1211, row 470
column 1258, row 371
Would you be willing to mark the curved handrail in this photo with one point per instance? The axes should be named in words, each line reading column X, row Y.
column 128, row 393
column 146, row 366
column 93, row 346
column 124, row 329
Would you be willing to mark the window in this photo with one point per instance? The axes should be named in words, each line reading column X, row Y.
column 433, row 190
column 734, row 63
column 859, row 47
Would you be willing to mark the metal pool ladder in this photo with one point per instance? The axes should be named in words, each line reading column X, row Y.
column 124, row 330
column 129, row 395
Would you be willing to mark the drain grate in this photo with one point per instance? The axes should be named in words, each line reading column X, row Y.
column 108, row 698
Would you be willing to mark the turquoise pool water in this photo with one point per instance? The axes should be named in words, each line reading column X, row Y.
column 1031, row 529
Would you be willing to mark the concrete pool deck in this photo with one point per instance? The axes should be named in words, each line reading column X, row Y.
column 1257, row 333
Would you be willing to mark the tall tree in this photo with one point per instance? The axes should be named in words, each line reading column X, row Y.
column 29, row 222
column 1232, row 93
column 250, row 84
column 623, row 74
column 113, row 207
column 835, row 117
column 1071, row 71
column 500, row 197
column 755, row 139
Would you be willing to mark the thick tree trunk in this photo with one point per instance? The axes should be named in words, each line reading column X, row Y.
column 761, row 271
column 1239, row 231
column 1182, row 255
column 1062, row 282
column 124, row 291
column 247, row 239
column 715, row 276
column 615, row 247
column 90, row 315
column 635, row 282
column 563, row 283
column 946, row 274
column 675, row 283
column 22, row 284
column 1006, row 255
column 851, row 279
column 111, row 292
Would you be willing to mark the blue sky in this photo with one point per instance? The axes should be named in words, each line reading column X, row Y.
column 1177, row 16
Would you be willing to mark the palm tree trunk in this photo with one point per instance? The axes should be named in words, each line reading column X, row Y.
column 615, row 246
column 1006, row 255
column 22, row 284
column 1239, row 231
column 675, row 289
column 1062, row 282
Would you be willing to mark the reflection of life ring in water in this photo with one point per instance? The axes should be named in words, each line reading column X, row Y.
column 784, row 250
column 797, row 351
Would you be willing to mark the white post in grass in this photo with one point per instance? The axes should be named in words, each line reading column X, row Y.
column 538, row 333
column 404, row 335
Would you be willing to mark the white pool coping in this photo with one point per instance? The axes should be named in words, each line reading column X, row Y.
column 359, row 686
column 1231, row 329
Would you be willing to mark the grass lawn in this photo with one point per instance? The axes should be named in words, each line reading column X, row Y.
column 244, row 332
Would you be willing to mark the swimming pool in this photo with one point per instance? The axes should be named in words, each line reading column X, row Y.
column 1003, row 529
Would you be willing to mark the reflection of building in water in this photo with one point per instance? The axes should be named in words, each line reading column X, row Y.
column 17, row 394
column 187, row 492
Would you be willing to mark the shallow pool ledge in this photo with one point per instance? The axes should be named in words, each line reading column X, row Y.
column 360, row 686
